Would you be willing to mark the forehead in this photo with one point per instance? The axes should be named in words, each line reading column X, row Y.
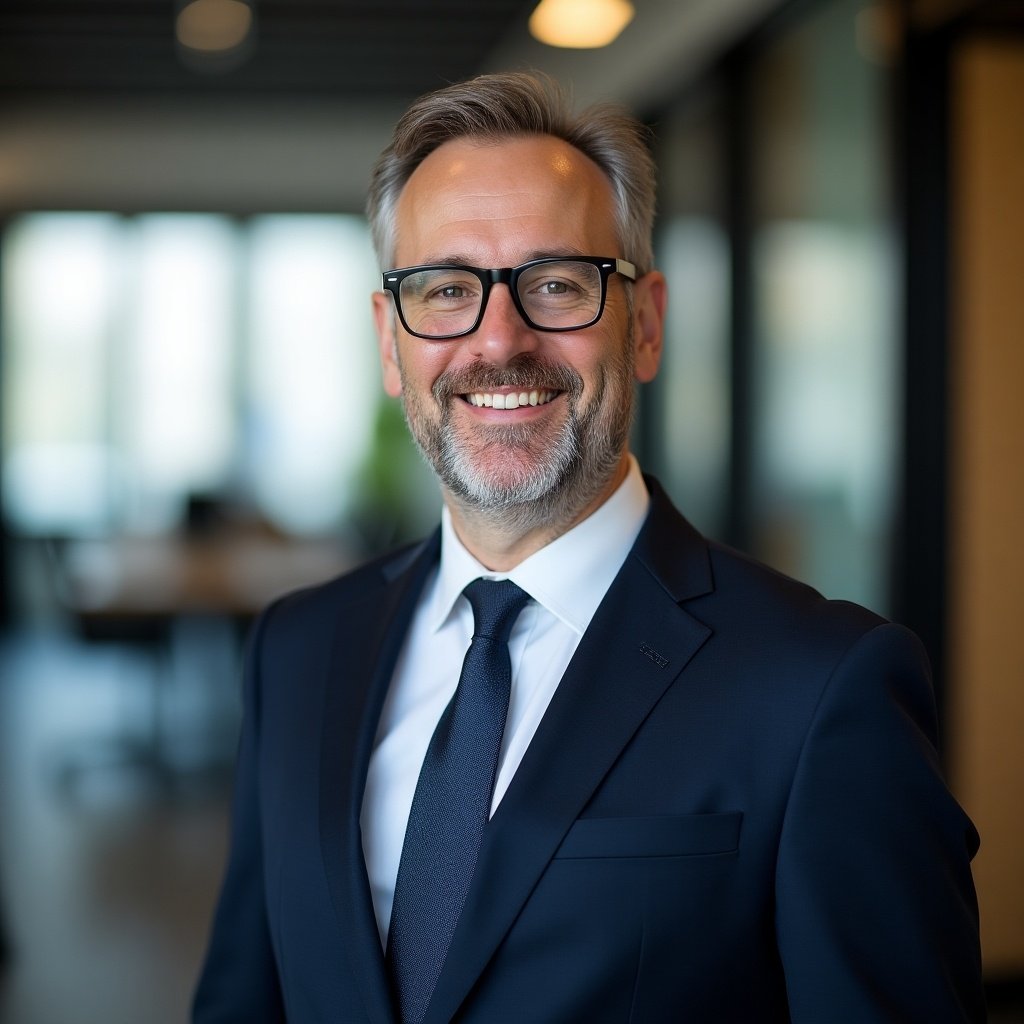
column 504, row 202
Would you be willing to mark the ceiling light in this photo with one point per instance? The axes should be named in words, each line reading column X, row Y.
column 214, row 26
column 580, row 24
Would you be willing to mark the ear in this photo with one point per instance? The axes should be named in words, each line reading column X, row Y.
column 384, row 319
column 650, row 297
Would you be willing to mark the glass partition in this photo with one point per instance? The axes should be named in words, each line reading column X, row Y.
column 691, row 399
column 825, row 306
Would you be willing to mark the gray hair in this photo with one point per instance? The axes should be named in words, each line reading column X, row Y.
column 497, row 106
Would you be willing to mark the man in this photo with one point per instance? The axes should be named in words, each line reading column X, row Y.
column 706, row 793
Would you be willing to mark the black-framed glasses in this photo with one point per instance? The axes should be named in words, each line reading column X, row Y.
column 557, row 293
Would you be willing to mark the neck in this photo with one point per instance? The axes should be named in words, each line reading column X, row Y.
column 501, row 541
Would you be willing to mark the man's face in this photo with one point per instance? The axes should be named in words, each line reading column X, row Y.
column 499, row 205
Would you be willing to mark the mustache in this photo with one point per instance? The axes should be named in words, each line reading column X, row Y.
column 522, row 371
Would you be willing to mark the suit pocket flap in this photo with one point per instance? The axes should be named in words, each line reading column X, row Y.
column 663, row 836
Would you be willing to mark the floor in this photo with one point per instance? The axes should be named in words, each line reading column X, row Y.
column 108, row 868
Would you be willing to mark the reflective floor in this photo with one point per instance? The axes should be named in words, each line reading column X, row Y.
column 111, row 837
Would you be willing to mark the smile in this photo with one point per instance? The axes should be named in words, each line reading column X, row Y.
column 489, row 400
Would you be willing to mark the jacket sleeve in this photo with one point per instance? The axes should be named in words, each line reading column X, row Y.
column 239, row 980
column 876, row 914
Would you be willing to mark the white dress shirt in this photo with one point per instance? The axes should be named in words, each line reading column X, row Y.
column 567, row 579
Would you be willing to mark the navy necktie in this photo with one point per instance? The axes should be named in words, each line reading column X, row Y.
column 452, row 801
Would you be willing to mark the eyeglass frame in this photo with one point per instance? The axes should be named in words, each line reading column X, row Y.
column 391, row 281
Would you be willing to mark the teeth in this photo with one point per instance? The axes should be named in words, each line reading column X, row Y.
column 488, row 400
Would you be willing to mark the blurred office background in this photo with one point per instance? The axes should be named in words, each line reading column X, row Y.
column 191, row 419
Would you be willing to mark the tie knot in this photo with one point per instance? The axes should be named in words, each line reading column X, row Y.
column 496, row 606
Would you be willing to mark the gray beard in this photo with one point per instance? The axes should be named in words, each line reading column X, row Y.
column 533, row 489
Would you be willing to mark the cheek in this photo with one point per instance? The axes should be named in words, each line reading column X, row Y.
column 596, row 359
column 419, row 365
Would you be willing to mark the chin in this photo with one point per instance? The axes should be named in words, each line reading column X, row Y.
column 517, row 481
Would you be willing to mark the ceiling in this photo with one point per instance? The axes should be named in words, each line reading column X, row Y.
column 368, row 50
column 99, row 110
column 371, row 50
column 342, row 48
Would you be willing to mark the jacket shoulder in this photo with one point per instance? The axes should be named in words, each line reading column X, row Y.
column 748, row 582
column 325, row 602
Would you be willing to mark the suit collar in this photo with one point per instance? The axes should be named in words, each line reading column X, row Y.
column 671, row 550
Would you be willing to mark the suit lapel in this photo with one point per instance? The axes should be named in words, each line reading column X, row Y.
column 369, row 639
column 637, row 646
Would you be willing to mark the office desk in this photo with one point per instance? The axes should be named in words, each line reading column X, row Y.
column 183, row 602
column 162, row 577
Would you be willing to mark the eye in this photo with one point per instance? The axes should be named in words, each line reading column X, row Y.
column 559, row 283
column 554, row 288
column 563, row 287
column 441, row 287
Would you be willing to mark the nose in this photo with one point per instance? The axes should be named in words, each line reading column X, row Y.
column 503, row 333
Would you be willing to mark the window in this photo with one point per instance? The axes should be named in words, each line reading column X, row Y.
column 148, row 359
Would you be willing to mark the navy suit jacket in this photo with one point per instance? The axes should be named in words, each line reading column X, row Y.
column 731, row 813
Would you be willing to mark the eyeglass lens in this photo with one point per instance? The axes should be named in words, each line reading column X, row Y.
column 445, row 301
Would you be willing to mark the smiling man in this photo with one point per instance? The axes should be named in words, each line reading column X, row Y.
column 568, row 761
column 518, row 392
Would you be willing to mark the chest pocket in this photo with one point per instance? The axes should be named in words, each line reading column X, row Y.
column 686, row 835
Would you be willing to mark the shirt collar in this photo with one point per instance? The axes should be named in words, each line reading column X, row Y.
column 569, row 576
